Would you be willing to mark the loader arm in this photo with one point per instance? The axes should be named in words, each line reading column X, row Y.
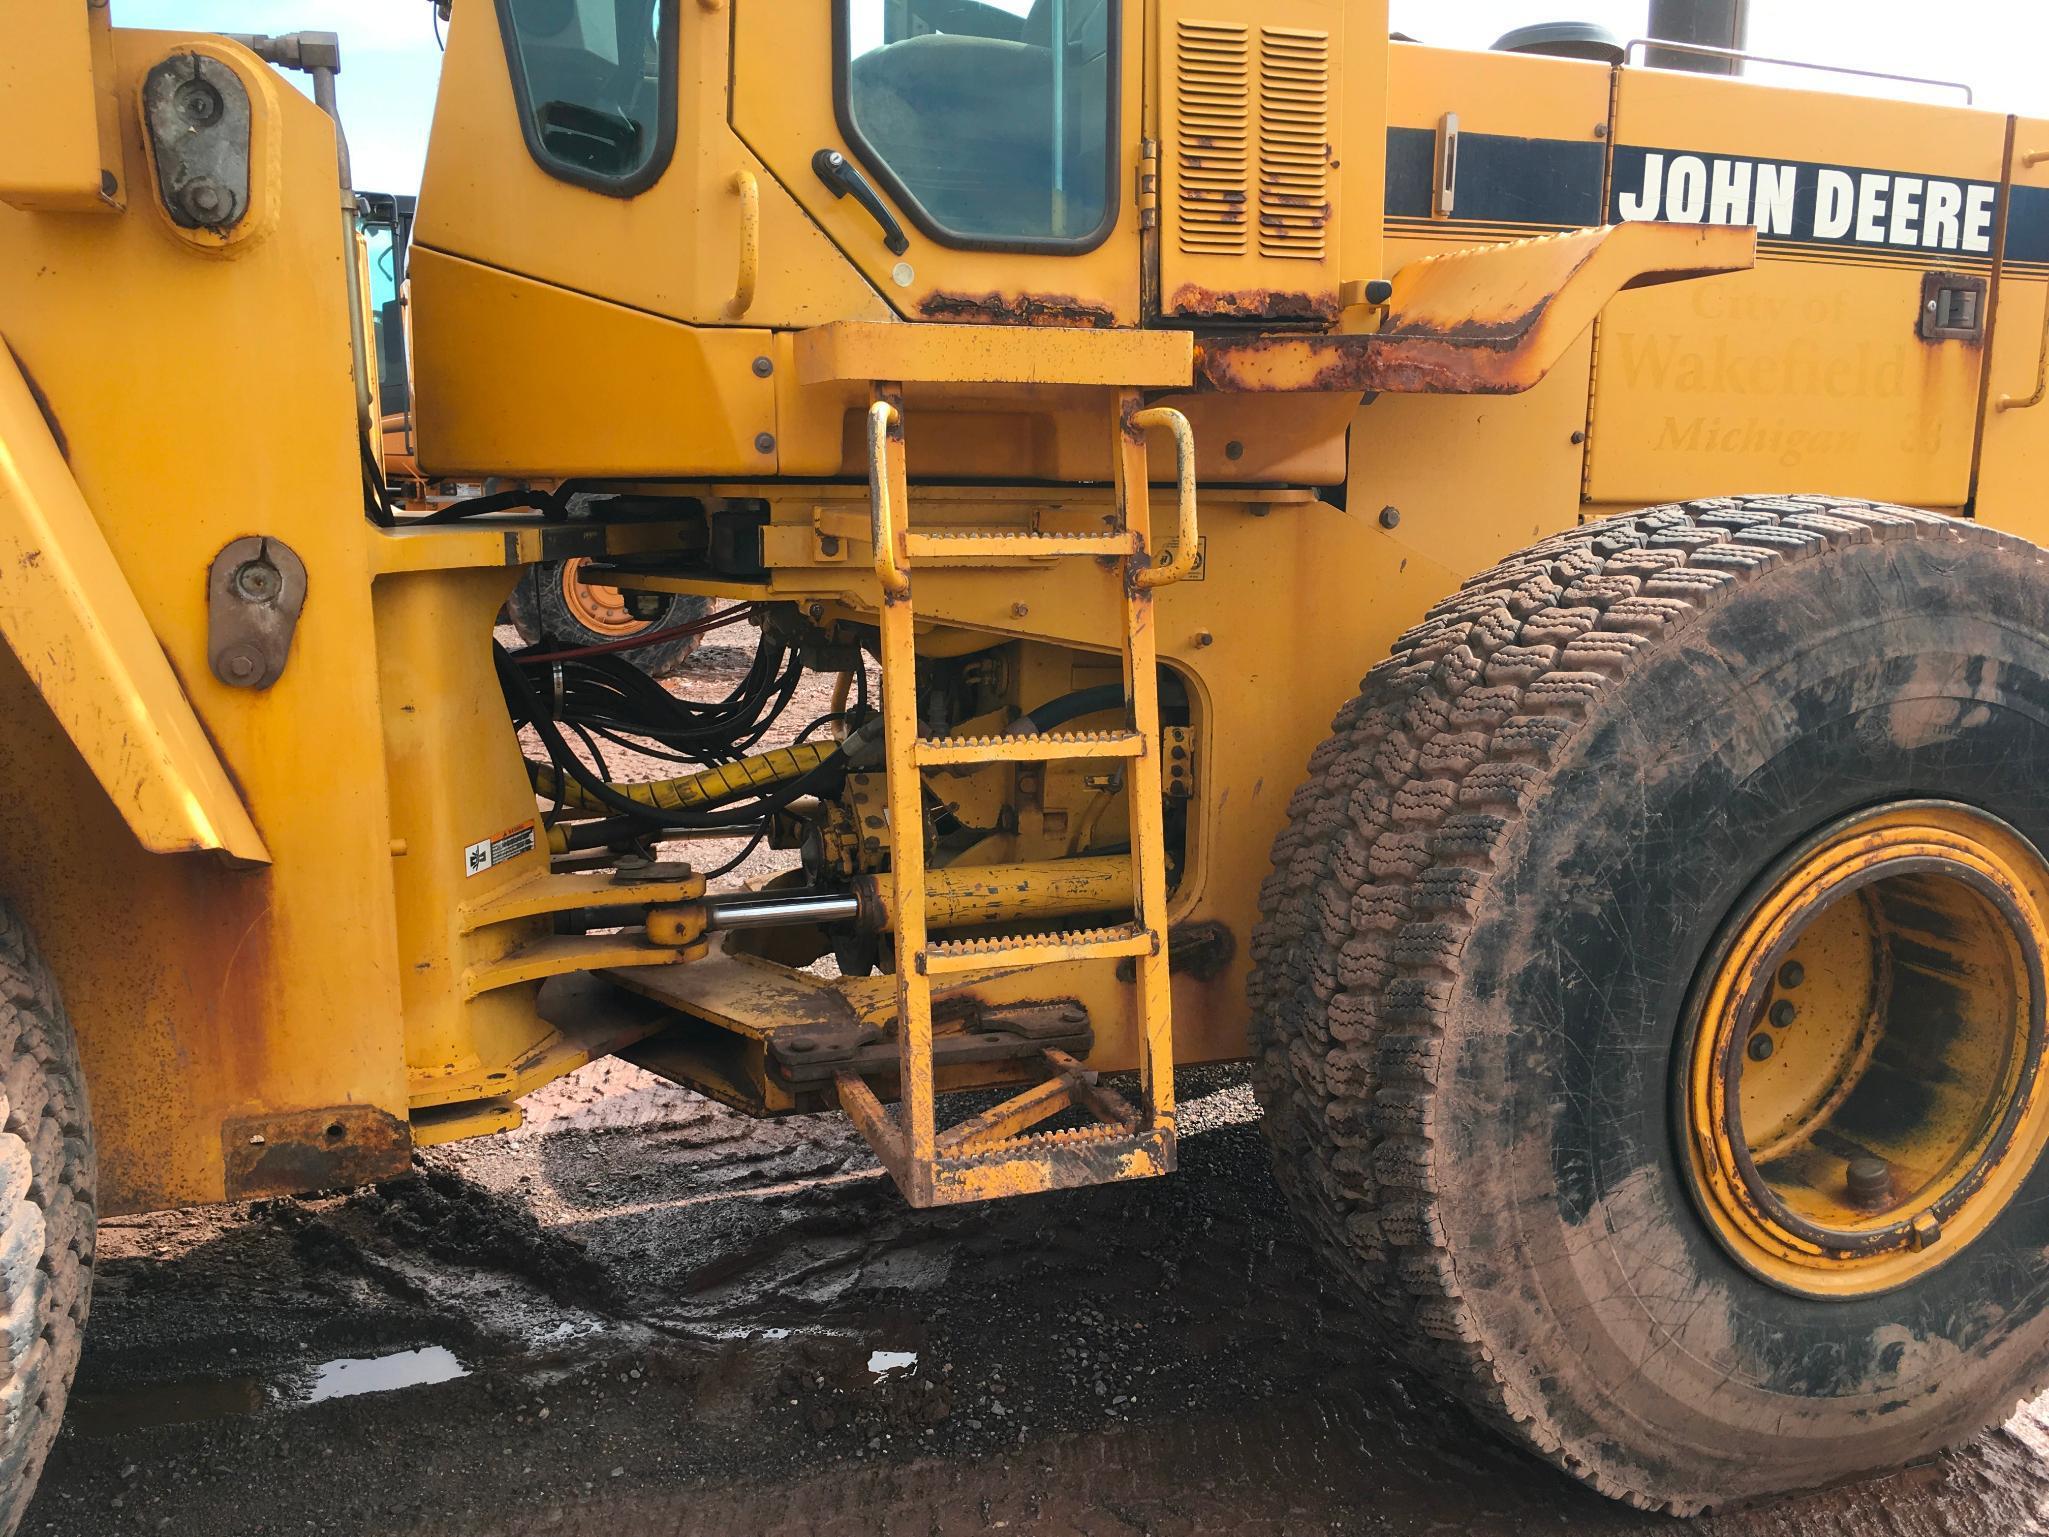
column 73, row 621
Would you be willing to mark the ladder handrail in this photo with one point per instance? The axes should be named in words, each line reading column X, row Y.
column 1171, row 566
column 883, row 531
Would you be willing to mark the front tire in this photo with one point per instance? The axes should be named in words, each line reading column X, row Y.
column 1500, row 894
column 552, row 605
column 47, row 1223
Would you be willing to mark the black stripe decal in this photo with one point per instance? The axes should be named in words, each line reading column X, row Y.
column 1842, row 209
column 1501, row 180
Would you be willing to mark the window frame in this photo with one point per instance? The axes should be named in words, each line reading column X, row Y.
column 635, row 182
column 872, row 161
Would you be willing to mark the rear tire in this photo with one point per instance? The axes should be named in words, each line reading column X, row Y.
column 541, row 610
column 1487, row 916
column 47, row 1223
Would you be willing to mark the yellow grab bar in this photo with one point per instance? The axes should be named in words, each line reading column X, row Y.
column 1171, row 564
column 750, row 243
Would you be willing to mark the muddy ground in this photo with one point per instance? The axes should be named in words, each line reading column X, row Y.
column 641, row 1313
column 673, row 1320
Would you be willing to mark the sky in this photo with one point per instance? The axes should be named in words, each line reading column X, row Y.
column 1999, row 47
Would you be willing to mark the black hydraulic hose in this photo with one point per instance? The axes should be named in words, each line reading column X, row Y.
column 1057, row 712
column 738, row 818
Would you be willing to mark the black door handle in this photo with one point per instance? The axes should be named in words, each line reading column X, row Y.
column 841, row 175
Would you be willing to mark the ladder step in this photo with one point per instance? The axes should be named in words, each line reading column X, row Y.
column 939, row 547
column 952, row 955
column 1044, row 747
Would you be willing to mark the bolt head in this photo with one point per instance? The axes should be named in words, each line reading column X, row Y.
column 258, row 581
column 1760, row 1047
column 764, row 442
column 205, row 200
column 763, row 367
column 1390, row 516
column 198, row 103
column 1783, row 1013
column 1792, row 974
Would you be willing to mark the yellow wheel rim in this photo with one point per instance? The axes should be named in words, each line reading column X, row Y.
column 1861, row 1096
column 595, row 606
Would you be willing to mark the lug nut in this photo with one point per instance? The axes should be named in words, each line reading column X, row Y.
column 1792, row 974
column 1760, row 1047
column 1870, row 1182
column 1783, row 1013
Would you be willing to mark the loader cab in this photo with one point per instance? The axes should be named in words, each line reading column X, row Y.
column 632, row 202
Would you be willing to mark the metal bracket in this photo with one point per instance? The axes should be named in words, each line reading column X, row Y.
column 198, row 115
column 254, row 592
column 815, row 1054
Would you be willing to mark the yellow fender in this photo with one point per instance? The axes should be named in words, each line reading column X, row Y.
column 1487, row 321
column 73, row 621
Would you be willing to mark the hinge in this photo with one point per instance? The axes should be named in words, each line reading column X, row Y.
column 1148, row 183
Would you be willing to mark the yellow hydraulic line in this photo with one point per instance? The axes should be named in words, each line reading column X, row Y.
column 960, row 895
column 776, row 766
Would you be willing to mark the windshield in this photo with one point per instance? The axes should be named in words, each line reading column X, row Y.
column 991, row 121
column 596, row 84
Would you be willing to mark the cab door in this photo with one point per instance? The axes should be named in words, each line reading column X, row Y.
column 974, row 159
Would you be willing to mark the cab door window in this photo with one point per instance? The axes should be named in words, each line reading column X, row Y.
column 595, row 81
column 993, row 123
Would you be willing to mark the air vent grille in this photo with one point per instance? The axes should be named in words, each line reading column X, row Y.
column 1294, row 142
column 1213, row 138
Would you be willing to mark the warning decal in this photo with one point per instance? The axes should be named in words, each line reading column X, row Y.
column 486, row 852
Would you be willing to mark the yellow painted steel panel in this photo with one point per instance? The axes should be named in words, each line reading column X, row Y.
column 58, row 151
column 1808, row 374
column 516, row 377
column 930, row 353
column 202, row 398
column 2013, row 463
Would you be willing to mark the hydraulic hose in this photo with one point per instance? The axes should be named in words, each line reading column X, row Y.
column 689, row 791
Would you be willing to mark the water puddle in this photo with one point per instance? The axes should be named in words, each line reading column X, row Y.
column 383, row 1374
column 885, row 1363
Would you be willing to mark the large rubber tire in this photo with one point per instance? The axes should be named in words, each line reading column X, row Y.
column 47, row 1224
column 539, row 611
column 1487, row 911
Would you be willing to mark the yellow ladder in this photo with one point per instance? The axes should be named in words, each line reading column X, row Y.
column 996, row 1153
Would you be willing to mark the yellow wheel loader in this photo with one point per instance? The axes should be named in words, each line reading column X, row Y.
column 1642, row 968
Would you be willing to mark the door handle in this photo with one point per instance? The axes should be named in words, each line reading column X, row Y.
column 842, row 177
column 749, row 191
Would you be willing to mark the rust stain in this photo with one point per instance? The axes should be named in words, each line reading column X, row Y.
column 1016, row 309
column 291, row 1152
column 1253, row 303
column 1473, row 356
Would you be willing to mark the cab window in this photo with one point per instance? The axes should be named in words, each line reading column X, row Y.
column 992, row 122
column 595, row 81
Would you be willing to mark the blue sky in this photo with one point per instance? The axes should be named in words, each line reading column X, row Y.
column 390, row 62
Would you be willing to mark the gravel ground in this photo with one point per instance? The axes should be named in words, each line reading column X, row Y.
column 641, row 1313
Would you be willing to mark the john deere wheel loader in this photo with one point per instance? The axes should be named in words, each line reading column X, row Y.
column 1642, row 968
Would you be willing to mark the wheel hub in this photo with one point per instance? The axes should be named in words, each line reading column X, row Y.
column 1860, row 1093
column 595, row 605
